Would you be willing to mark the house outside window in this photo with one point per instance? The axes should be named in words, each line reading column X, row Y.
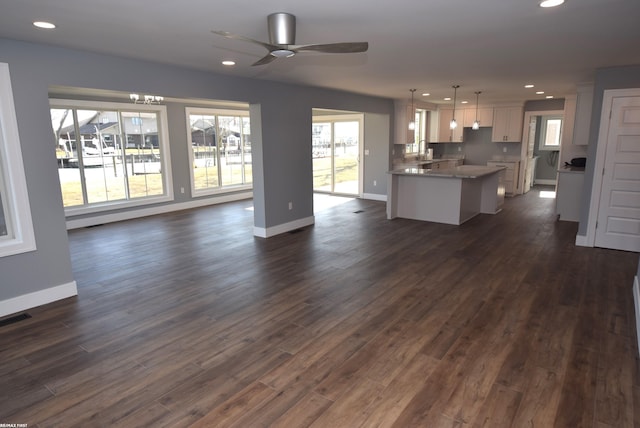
column 110, row 155
column 219, row 150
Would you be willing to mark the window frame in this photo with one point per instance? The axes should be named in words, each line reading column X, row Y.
column 163, row 141
column 544, row 120
column 20, row 236
column 213, row 111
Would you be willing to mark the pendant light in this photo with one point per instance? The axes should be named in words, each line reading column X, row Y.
column 476, row 123
column 454, row 124
column 412, row 119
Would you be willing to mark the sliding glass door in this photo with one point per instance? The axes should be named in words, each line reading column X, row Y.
column 336, row 153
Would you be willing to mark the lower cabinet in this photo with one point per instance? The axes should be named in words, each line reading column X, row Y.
column 510, row 175
column 569, row 195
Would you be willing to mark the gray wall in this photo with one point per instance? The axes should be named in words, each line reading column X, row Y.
column 477, row 147
column 544, row 105
column 282, row 157
column 606, row 78
column 377, row 128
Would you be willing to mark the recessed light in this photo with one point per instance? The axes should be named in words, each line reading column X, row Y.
column 44, row 24
column 464, row 102
column 539, row 92
column 529, row 85
column 426, row 94
column 228, row 62
column 549, row 96
column 551, row 3
column 447, row 98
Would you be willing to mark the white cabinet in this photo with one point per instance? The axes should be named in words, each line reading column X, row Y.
column 507, row 124
column 510, row 175
column 403, row 113
column 569, row 194
column 445, row 133
column 568, row 120
column 485, row 116
column 582, row 121
column 446, row 163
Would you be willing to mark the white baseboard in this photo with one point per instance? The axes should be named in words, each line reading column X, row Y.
column 545, row 182
column 268, row 232
column 581, row 241
column 636, row 301
column 374, row 197
column 161, row 209
column 37, row 298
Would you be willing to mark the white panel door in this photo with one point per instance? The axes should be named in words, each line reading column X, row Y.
column 618, row 224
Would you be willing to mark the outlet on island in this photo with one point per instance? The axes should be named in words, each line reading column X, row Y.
column 290, row 205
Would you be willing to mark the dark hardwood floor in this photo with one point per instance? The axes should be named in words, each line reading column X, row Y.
column 187, row 319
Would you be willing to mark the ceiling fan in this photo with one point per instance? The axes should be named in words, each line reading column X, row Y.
column 282, row 39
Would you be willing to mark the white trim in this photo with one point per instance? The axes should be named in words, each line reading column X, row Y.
column 636, row 301
column 163, row 141
column 374, row 197
column 37, row 298
column 161, row 209
column 601, row 147
column 581, row 241
column 101, row 207
column 545, row 181
column 344, row 116
column 20, row 237
column 261, row 232
column 212, row 111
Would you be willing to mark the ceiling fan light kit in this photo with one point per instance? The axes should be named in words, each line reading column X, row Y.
column 282, row 38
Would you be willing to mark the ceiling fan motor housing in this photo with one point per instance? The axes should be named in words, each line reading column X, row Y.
column 282, row 28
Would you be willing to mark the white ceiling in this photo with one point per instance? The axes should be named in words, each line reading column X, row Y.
column 493, row 46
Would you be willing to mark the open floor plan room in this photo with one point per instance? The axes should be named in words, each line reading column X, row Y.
column 358, row 321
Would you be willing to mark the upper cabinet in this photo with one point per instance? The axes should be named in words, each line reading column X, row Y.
column 568, row 120
column 403, row 113
column 582, row 122
column 485, row 117
column 445, row 133
column 507, row 124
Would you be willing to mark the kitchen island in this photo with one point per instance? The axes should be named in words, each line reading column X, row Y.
column 450, row 196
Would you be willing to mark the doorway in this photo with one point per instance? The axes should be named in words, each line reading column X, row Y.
column 541, row 143
column 336, row 147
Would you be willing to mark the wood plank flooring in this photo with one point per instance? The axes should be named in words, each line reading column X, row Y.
column 186, row 319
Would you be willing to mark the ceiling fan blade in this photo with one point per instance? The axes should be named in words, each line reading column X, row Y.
column 229, row 35
column 351, row 47
column 265, row 60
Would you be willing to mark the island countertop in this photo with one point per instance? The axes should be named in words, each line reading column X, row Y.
column 462, row 171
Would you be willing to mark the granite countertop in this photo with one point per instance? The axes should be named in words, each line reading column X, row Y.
column 572, row 169
column 463, row 171
column 416, row 163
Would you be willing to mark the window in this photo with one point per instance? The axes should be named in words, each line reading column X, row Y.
column 220, row 150
column 16, row 227
column 420, row 132
column 336, row 148
column 550, row 132
column 110, row 155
